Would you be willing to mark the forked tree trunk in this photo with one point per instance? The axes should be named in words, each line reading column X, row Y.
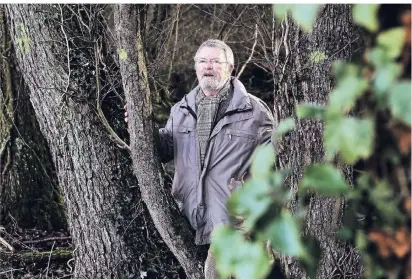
column 29, row 195
column 174, row 230
column 301, row 81
column 91, row 170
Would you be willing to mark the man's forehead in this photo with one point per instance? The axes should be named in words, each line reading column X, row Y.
column 207, row 51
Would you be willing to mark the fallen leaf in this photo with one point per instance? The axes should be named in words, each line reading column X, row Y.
column 407, row 205
column 398, row 243
column 403, row 136
column 406, row 21
column 403, row 243
column 383, row 243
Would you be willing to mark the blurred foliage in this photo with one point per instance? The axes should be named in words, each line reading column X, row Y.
column 377, row 219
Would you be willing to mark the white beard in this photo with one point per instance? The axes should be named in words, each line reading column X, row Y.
column 211, row 83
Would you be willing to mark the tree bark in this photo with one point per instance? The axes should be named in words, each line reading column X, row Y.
column 298, row 80
column 28, row 184
column 93, row 173
column 174, row 230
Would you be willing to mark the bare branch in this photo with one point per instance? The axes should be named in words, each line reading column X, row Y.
column 251, row 53
column 68, row 48
column 114, row 136
column 5, row 243
column 175, row 44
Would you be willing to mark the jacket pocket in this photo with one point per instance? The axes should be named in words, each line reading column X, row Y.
column 240, row 135
column 184, row 132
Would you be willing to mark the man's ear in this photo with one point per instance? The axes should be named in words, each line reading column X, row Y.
column 230, row 69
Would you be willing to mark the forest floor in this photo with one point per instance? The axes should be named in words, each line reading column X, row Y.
column 32, row 253
column 39, row 254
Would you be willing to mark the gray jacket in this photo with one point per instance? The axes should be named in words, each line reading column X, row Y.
column 202, row 194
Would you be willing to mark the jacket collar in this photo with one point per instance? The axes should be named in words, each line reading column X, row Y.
column 240, row 100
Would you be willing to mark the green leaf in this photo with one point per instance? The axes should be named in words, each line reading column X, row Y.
column 308, row 110
column 343, row 97
column 400, row 101
column 278, row 178
column 263, row 159
column 285, row 126
column 317, row 57
column 357, row 139
column 332, row 138
column 377, row 57
column 342, row 69
column 361, row 240
column 392, row 41
column 351, row 137
column 387, row 205
column 305, row 15
column 280, row 10
column 310, row 262
column 251, row 201
column 122, row 54
column 366, row 15
column 324, row 179
column 284, row 235
column 248, row 260
column 385, row 77
column 345, row 233
column 223, row 241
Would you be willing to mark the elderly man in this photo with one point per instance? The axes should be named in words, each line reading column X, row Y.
column 211, row 134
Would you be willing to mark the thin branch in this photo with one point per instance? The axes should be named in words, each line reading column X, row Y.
column 263, row 46
column 47, row 239
column 230, row 28
column 287, row 48
column 175, row 44
column 285, row 39
column 10, row 270
column 68, row 48
column 224, row 25
column 251, row 53
column 5, row 243
column 120, row 143
column 48, row 263
column 217, row 18
column 79, row 17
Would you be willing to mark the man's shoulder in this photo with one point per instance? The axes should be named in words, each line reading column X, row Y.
column 258, row 104
column 187, row 99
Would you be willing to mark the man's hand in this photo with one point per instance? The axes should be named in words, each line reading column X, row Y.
column 234, row 184
column 125, row 114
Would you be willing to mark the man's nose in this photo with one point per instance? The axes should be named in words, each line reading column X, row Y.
column 209, row 65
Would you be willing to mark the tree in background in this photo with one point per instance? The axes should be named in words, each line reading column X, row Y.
column 375, row 135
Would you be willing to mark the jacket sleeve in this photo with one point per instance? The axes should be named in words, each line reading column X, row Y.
column 267, row 123
column 164, row 140
column 265, row 130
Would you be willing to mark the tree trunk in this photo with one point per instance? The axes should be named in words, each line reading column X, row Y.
column 302, row 81
column 28, row 184
column 174, row 230
column 93, row 174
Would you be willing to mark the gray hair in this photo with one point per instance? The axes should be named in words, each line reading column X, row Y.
column 219, row 44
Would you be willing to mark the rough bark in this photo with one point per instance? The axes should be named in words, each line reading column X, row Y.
column 174, row 230
column 92, row 172
column 28, row 184
column 297, row 80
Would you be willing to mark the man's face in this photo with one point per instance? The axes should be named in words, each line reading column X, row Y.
column 212, row 69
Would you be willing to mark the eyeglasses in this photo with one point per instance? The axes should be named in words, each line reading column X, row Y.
column 215, row 62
